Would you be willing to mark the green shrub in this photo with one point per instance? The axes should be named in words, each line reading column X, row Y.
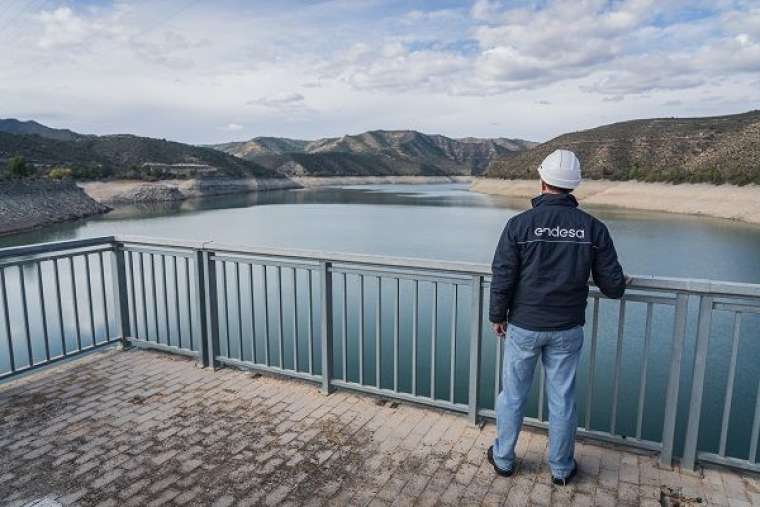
column 18, row 167
column 60, row 173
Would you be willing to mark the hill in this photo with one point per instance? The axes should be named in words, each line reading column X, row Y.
column 719, row 149
column 121, row 156
column 378, row 152
column 14, row 126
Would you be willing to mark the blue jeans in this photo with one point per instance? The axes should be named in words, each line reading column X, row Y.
column 559, row 351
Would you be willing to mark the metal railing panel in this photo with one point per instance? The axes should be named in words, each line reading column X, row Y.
column 191, row 298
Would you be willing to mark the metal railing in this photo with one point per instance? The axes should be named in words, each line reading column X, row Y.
column 408, row 329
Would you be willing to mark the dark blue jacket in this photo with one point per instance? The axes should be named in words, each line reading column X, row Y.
column 542, row 264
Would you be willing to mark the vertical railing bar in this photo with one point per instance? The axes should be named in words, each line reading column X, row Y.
column 119, row 294
column 266, row 315
column 155, row 296
column 497, row 375
column 88, row 277
column 378, row 330
column 7, row 320
column 310, row 316
column 361, row 329
column 730, row 384
column 697, row 383
column 239, row 309
column 165, row 291
column 344, row 328
column 541, row 388
column 295, row 319
column 143, row 295
column 476, row 330
column 415, row 327
column 103, row 296
column 433, row 333
column 592, row 362
column 175, row 274
column 132, row 303
column 644, row 371
column 253, row 314
column 25, row 313
column 74, row 301
column 202, row 328
column 453, row 355
column 40, row 295
column 189, row 304
column 326, row 318
column 208, row 276
column 280, row 345
column 755, row 428
column 674, row 379
column 59, row 306
column 226, row 308
column 135, row 326
column 396, row 331
column 618, row 365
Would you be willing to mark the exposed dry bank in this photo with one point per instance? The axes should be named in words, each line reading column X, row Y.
column 722, row 201
column 29, row 205
column 130, row 191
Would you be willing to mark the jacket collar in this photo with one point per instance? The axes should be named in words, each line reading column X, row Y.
column 554, row 200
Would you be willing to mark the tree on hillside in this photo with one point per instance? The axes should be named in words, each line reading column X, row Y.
column 18, row 168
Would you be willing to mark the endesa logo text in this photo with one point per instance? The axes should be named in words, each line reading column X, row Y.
column 556, row 232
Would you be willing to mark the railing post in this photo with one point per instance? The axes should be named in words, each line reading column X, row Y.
column 120, row 294
column 674, row 381
column 206, row 306
column 326, row 318
column 476, row 322
column 697, row 383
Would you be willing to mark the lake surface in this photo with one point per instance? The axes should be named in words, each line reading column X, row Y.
column 449, row 222
column 427, row 221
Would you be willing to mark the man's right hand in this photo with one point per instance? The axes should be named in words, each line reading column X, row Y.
column 499, row 329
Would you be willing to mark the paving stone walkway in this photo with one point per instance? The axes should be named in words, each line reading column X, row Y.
column 146, row 429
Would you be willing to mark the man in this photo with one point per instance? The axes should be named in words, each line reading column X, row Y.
column 540, row 286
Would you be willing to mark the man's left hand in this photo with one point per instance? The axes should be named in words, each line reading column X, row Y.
column 499, row 329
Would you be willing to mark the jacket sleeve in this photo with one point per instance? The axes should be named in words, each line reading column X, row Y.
column 606, row 270
column 505, row 269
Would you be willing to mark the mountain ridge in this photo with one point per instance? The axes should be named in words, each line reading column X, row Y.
column 713, row 149
column 413, row 152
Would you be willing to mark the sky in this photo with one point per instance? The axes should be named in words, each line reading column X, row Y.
column 216, row 71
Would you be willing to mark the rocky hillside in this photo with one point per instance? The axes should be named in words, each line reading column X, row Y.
column 28, row 205
column 121, row 156
column 719, row 149
column 379, row 152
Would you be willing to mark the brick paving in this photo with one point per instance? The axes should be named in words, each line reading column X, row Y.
column 144, row 428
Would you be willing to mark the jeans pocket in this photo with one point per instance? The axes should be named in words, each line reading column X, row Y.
column 522, row 338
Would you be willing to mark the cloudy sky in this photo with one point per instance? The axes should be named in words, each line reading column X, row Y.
column 212, row 71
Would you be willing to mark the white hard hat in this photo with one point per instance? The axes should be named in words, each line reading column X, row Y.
column 561, row 169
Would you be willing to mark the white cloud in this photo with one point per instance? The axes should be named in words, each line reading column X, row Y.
column 232, row 127
column 183, row 70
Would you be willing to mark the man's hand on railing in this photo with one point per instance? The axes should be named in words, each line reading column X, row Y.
column 628, row 280
column 499, row 329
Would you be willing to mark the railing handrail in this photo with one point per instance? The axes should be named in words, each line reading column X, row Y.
column 53, row 247
column 638, row 282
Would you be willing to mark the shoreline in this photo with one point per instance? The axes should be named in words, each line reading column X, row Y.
column 125, row 192
column 730, row 202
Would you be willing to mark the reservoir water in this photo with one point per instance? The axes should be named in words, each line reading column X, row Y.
column 448, row 222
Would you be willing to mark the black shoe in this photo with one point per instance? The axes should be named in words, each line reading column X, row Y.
column 565, row 481
column 500, row 471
